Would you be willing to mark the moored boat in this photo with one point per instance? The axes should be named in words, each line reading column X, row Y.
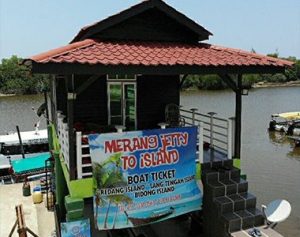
column 34, row 143
column 288, row 123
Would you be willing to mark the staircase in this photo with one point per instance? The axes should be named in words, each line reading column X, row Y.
column 227, row 205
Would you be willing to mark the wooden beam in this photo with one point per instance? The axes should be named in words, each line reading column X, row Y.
column 182, row 80
column 13, row 229
column 237, row 87
column 21, row 221
column 47, row 107
column 70, row 108
column 77, row 68
column 61, row 93
column 53, row 105
column 229, row 81
column 86, row 84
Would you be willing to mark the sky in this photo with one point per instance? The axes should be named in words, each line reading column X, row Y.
column 29, row 27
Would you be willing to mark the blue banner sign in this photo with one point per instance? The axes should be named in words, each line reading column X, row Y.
column 80, row 228
column 143, row 177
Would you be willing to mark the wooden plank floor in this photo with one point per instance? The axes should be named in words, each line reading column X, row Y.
column 265, row 233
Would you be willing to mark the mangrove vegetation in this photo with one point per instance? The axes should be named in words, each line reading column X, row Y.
column 16, row 78
column 214, row 82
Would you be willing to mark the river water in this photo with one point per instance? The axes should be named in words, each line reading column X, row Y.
column 270, row 161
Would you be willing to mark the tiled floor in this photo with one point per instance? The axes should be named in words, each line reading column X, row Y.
column 264, row 233
column 213, row 154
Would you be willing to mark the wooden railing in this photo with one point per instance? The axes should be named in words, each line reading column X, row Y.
column 84, row 164
column 63, row 136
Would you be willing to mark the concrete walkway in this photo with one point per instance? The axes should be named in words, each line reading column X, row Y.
column 37, row 217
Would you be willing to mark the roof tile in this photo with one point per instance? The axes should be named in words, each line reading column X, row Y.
column 153, row 54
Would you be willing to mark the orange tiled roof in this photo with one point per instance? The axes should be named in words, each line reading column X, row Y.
column 93, row 52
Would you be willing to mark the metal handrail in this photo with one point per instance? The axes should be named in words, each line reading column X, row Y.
column 214, row 128
column 221, row 141
column 196, row 113
column 220, row 126
column 221, row 134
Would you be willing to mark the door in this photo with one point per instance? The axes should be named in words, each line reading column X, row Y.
column 122, row 104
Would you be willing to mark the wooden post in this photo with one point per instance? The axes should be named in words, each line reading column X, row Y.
column 70, row 108
column 50, row 137
column 237, row 88
column 20, row 223
column 47, row 110
column 53, row 106
column 59, row 192
column 238, row 118
column 20, row 140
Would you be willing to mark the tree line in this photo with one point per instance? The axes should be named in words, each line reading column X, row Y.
column 16, row 78
column 214, row 82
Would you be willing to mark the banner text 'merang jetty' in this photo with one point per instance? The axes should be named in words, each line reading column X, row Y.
column 144, row 176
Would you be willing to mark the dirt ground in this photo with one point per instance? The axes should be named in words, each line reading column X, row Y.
column 37, row 217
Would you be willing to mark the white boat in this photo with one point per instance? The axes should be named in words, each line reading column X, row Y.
column 28, row 138
column 34, row 143
column 288, row 123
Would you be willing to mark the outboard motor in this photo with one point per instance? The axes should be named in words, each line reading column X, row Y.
column 272, row 125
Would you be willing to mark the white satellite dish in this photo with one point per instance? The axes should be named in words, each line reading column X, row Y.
column 276, row 211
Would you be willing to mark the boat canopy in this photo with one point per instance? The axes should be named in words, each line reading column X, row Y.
column 29, row 137
column 29, row 164
column 288, row 115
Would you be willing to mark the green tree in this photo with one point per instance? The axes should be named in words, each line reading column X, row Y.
column 16, row 78
column 214, row 82
column 211, row 82
column 293, row 73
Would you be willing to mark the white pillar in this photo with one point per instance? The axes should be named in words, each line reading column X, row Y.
column 79, row 154
column 163, row 125
column 229, row 139
column 232, row 120
column 212, row 114
column 120, row 128
column 193, row 115
column 200, row 142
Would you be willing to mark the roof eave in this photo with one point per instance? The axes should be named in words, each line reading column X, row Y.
column 77, row 68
